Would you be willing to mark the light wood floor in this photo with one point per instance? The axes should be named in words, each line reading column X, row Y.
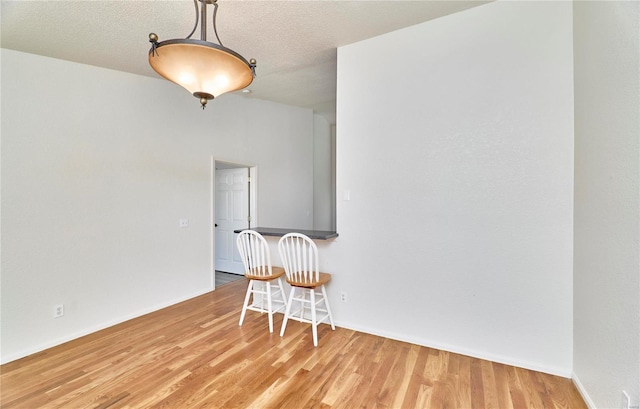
column 194, row 355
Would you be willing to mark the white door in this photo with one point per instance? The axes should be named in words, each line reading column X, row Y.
column 232, row 213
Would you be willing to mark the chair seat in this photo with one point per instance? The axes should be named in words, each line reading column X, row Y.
column 324, row 278
column 276, row 272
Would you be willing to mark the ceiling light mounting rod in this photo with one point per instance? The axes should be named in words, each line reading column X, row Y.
column 203, row 17
column 205, row 69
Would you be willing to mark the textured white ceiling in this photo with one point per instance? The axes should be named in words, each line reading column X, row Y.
column 294, row 41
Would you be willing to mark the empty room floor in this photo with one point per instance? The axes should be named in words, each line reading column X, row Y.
column 194, row 354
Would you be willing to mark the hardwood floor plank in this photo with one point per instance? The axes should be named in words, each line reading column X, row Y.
column 38, row 392
column 337, row 379
column 562, row 392
column 113, row 401
column 436, row 364
column 443, row 395
column 406, row 373
column 531, row 396
column 365, row 368
column 412, row 395
column 489, row 386
column 270, row 396
column 477, row 385
column 463, row 391
column 195, row 355
column 393, row 375
column 424, row 397
column 502, row 387
column 515, row 388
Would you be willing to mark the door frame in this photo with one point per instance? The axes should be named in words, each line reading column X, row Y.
column 253, row 204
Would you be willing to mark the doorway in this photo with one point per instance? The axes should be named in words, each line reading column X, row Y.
column 233, row 209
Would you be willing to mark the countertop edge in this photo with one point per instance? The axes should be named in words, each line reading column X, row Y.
column 279, row 232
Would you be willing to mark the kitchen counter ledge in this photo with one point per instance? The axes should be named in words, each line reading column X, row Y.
column 278, row 232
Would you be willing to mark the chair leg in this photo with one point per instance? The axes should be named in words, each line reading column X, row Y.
column 246, row 301
column 287, row 310
column 269, row 306
column 326, row 303
column 283, row 296
column 314, row 324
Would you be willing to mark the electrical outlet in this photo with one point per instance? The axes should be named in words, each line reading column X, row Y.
column 343, row 296
column 184, row 223
column 58, row 311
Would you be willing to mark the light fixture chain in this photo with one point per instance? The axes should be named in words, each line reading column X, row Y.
column 195, row 4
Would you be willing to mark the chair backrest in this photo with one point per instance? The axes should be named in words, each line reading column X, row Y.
column 299, row 256
column 254, row 252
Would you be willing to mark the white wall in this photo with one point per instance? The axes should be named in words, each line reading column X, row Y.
column 98, row 166
column 323, row 176
column 455, row 140
column 607, row 223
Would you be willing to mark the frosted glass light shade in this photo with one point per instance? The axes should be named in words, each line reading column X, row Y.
column 205, row 69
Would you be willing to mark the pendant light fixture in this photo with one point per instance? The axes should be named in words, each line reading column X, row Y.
column 203, row 68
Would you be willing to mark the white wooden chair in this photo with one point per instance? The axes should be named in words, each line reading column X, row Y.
column 300, row 260
column 254, row 251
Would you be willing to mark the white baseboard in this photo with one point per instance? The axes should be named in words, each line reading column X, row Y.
column 32, row 350
column 563, row 372
column 583, row 391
